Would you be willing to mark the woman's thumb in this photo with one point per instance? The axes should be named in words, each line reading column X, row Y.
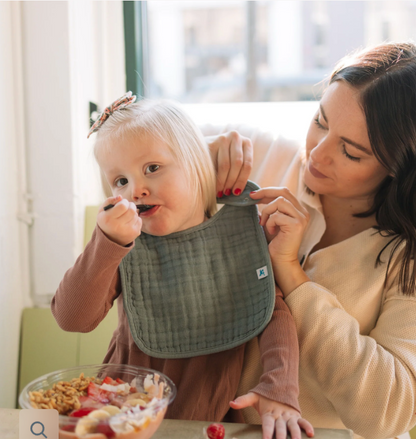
column 255, row 195
column 243, row 401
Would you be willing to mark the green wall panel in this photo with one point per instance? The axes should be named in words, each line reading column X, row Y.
column 45, row 347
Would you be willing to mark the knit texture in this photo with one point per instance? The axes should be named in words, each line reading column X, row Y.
column 197, row 291
column 205, row 383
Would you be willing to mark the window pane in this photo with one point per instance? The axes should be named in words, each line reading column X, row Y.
column 235, row 51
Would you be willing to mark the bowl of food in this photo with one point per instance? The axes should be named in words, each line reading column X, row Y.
column 103, row 401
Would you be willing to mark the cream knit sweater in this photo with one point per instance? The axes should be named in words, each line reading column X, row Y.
column 357, row 337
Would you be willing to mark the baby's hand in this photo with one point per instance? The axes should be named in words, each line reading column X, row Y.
column 121, row 223
column 278, row 419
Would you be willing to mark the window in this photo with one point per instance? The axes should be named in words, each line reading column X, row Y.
column 267, row 51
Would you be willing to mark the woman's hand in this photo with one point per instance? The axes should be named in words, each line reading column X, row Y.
column 232, row 155
column 121, row 223
column 284, row 220
column 277, row 418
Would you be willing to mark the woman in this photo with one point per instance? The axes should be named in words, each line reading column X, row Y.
column 346, row 241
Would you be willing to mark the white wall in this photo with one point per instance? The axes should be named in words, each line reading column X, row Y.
column 48, row 140
column 287, row 119
column 55, row 56
column 73, row 53
column 14, row 288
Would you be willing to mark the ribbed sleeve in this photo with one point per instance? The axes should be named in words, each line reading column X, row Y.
column 88, row 289
column 280, row 358
column 271, row 362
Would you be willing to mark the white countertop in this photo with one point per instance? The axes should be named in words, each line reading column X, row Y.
column 172, row 429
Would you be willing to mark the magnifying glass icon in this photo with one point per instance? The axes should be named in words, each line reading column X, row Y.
column 41, row 433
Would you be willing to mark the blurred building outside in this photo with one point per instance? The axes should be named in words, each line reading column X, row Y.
column 264, row 51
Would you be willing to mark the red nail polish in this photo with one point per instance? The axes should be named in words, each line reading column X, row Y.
column 237, row 191
column 252, row 192
column 227, row 192
column 219, row 194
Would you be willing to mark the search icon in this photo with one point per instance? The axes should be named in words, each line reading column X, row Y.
column 38, row 424
column 41, row 433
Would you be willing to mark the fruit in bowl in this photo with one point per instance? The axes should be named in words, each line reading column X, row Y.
column 103, row 401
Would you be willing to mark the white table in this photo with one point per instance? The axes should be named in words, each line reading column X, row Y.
column 172, row 429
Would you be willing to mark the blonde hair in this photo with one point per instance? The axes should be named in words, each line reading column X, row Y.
column 165, row 120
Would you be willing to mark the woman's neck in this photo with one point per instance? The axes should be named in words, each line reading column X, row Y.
column 340, row 221
column 342, row 208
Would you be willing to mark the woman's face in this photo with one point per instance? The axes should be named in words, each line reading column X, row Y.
column 340, row 161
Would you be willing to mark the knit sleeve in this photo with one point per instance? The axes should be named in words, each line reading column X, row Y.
column 369, row 379
column 89, row 288
column 280, row 357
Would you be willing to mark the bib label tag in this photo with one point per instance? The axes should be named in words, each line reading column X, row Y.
column 262, row 272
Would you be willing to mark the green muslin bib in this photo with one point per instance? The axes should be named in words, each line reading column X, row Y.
column 202, row 290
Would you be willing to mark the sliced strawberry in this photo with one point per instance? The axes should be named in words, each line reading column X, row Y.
column 133, row 389
column 109, row 380
column 120, row 381
column 80, row 413
column 106, row 430
column 98, row 394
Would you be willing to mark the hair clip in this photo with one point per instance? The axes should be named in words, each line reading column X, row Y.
column 120, row 103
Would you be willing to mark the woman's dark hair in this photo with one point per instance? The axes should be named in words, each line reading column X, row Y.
column 385, row 76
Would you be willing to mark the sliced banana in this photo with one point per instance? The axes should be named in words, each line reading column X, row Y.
column 99, row 414
column 120, row 425
column 111, row 409
column 135, row 402
column 85, row 426
column 138, row 395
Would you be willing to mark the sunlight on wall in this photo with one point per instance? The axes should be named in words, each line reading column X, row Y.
column 288, row 119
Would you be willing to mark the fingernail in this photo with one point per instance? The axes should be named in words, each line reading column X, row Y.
column 227, row 192
column 237, row 191
column 219, row 194
column 252, row 192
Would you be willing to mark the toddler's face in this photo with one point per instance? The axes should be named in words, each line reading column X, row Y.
column 143, row 170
